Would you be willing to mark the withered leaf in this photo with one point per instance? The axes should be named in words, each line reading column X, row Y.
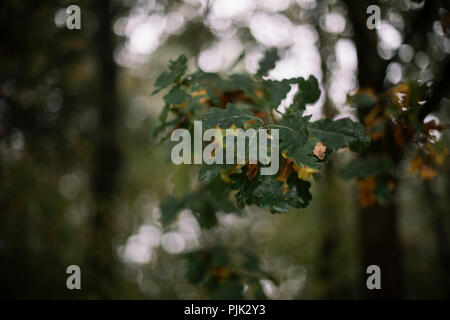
column 320, row 150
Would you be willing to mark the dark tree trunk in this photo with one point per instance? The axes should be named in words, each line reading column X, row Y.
column 439, row 226
column 106, row 162
column 378, row 225
column 380, row 246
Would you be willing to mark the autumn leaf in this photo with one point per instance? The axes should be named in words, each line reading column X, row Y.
column 304, row 171
column 366, row 188
column 252, row 171
column 221, row 273
column 437, row 151
column 373, row 122
column 401, row 95
column 402, row 135
column 202, row 94
column 285, row 173
column 319, row 150
column 424, row 171
column 445, row 22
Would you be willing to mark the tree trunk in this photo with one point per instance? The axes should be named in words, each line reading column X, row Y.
column 438, row 225
column 380, row 246
column 106, row 162
column 378, row 225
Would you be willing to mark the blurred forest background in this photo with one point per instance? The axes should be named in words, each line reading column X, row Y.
column 82, row 177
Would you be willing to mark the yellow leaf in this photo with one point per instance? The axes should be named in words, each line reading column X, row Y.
column 400, row 95
column 199, row 93
column 183, row 105
column 372, row 120
column 425, row 172
column 366, row 193
column 303, row 171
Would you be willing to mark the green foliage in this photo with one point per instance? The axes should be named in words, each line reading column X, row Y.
column 268, row 62
column 177, row 69
column 308, row 92
column 363, row 100
column 340, row 134
column 367, row 167
column 271, row 194
column 176, row 96
column 203, row 202
column 223, row 273
column 227, row 118
column 242, row 101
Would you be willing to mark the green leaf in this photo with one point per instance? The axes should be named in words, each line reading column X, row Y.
column 169, row 210
column 293, row 131
column 371, row 166
column 299, row 192
column 208, row 171
column 277, row 90
column 363, row 100
column 226, row 118
column 268, row 62
column 304, row 155
column 245, row 187
column 177, row 69
column 308, row 93
column 163, row 115
column 340, row 134
column 245, row 83
column 213, row 96
column 176, row 96
column 271, row 195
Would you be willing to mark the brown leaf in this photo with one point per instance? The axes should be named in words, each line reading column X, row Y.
column 252, row 171
column 402, row 135
column 232, row 97
column 445, row 21
column 319, row 150
column 221, row 273
column 401, row 95
column 285, row 173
